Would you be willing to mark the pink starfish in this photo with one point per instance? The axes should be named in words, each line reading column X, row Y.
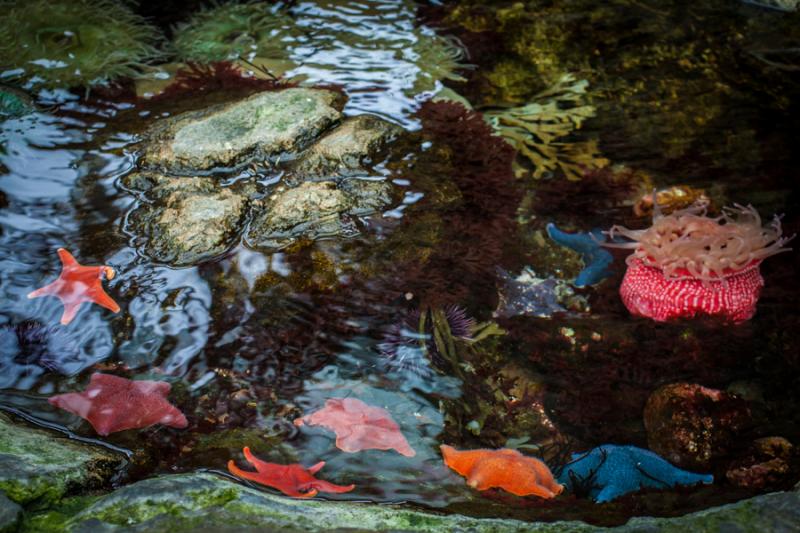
column 78, row 284
column 111, row 404
column 359, row 426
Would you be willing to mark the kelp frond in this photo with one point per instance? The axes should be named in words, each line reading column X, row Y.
column 538, row 129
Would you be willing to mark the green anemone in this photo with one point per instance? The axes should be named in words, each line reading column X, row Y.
column 15, row 103
column 439, row 58
column 66, row 43
column 230, row 31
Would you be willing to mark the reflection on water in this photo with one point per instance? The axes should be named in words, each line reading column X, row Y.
column 255, row 340
column 367, row 47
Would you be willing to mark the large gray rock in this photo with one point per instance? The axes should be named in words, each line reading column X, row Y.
column 185, row 221
column 10, row 514
column 194, row 502
column 346, row 150
column 313, row 210
column 39, row 465
column 266, row 124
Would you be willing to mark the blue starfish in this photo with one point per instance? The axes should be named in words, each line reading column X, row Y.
column 596, row 259
column 609, row 471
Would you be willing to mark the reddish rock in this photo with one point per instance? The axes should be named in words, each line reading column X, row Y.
column 766, row 465
column 691, row 426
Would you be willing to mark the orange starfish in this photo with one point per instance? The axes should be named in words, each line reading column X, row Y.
column 505, row 468
column 293, row 480
column 78, row 284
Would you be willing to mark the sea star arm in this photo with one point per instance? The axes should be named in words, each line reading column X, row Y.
column 100, row 297
column 66, row 258
column 244, row 474
column 70, row 312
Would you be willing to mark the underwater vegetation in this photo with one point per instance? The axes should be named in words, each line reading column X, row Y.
column 217, row 77
column 662, row 73
column 238, row 29
column 68, row 43
column 539, row 130
column 470, row 205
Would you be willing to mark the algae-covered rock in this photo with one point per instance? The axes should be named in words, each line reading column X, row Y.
column 267, row 124
column 205, row 501
column 185, row 220
column 39, row 465
column 193, row 502
column 347, row 148
column 10, row 513
column 314, row 210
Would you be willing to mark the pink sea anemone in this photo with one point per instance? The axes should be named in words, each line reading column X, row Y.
column 689, row 264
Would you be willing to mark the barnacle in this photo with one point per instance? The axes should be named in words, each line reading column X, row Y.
column 538, row 130
column 229, row 31
column 63, row 43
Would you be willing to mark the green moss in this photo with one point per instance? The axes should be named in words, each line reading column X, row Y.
column 65, row 43
column 54, row 519
column 37, row 465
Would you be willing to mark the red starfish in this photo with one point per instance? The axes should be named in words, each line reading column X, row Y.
column 111, row 404
column 293, row 480
column 78, row 284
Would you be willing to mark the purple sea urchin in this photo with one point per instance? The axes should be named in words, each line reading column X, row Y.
column 67, row 43
column 31, row 343
column 423, row 340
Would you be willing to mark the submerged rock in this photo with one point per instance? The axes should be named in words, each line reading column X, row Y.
column 691, row 425
column 186, row 220
column 347, row 148
column 323, row 177
column 264, row 125
column 38, row 465
column 313, row 210
column 768, row 463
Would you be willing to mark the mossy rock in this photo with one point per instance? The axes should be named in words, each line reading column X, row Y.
column 190, row 502
column 37, row 465
column 266, row 124
column 10, row 513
